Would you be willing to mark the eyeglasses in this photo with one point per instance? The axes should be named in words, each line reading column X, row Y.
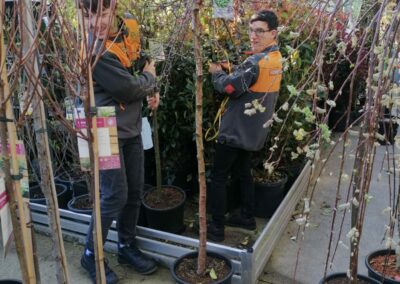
column 258, row 32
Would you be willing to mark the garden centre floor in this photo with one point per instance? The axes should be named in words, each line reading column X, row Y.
column 281, row 265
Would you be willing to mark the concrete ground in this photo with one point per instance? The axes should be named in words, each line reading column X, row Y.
column 309, row 251
column 297, row 258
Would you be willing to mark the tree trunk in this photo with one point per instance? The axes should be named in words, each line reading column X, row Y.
column 42, row 143
column 157, row 153
column 201, row 262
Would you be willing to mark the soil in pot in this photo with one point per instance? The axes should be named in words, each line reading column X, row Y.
column 381, row 263
column 169, row 197
column 186, row 270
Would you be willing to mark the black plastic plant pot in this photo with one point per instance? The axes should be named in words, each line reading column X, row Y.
column 169, row 219
column 10, row 281
column 79, row 188
column 62, row 195
column 74, row 201
column 226, row 280
column 342, row 275
column 376, row 275
column 67, row 183
column 268, row 197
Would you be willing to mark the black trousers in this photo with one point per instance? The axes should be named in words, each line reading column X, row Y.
column 238, row 162
column 121, row 193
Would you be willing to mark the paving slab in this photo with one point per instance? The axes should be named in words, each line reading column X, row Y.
column 9, row 266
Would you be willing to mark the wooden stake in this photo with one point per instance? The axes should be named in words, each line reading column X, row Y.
column 40, row 126
column 8, row 136
column 94, row 155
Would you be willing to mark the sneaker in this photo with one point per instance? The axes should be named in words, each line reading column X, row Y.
column 132, row 256
column 89, row 263
column 237, row 220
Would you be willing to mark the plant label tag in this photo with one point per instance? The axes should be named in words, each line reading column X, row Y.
column 107, row 138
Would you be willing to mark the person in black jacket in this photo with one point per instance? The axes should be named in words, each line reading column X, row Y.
column 115, row 85
column 252, row 89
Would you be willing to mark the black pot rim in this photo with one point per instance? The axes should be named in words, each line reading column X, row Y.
column 10, row 280
column 58, row 194
column 194, row 254
column 340, row 274
column 376, row 253
column 166, row 209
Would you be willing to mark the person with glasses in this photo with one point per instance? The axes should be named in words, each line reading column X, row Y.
column 252, row 89
column 118, row 84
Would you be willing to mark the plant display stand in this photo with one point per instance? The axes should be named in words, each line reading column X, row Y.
column 248, row 264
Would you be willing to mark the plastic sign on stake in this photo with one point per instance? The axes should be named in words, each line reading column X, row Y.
column 22, row 166
column 5, row 217
column 107, row 137
column 223, row 9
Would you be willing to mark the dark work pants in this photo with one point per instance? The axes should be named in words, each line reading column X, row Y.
column 121, row 193
column 237, row 161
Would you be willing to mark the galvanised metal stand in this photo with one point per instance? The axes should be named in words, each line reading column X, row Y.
column 248, row 264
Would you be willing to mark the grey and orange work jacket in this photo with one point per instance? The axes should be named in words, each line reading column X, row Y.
column 257, row 78
column 114, row 83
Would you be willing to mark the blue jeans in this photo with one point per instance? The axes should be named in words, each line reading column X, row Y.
column 229, row 160
column 121, row 193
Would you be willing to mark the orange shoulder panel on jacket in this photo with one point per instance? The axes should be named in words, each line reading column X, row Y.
column 270, row 74
column 128, row 49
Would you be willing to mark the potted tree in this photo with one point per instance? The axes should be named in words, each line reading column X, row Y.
column 201, row 266
column 163, row 204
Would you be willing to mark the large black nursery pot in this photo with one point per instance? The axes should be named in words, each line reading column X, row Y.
column 343, row 275
column 226, row 280
column 62, row 195
column 376, row 275
column 268, row 196
column 10, row 281
column 67, row 183
column 169, row 219
column 293, row 171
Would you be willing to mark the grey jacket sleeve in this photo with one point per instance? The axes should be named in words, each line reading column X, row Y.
column 238, row 82
column 124, row 87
